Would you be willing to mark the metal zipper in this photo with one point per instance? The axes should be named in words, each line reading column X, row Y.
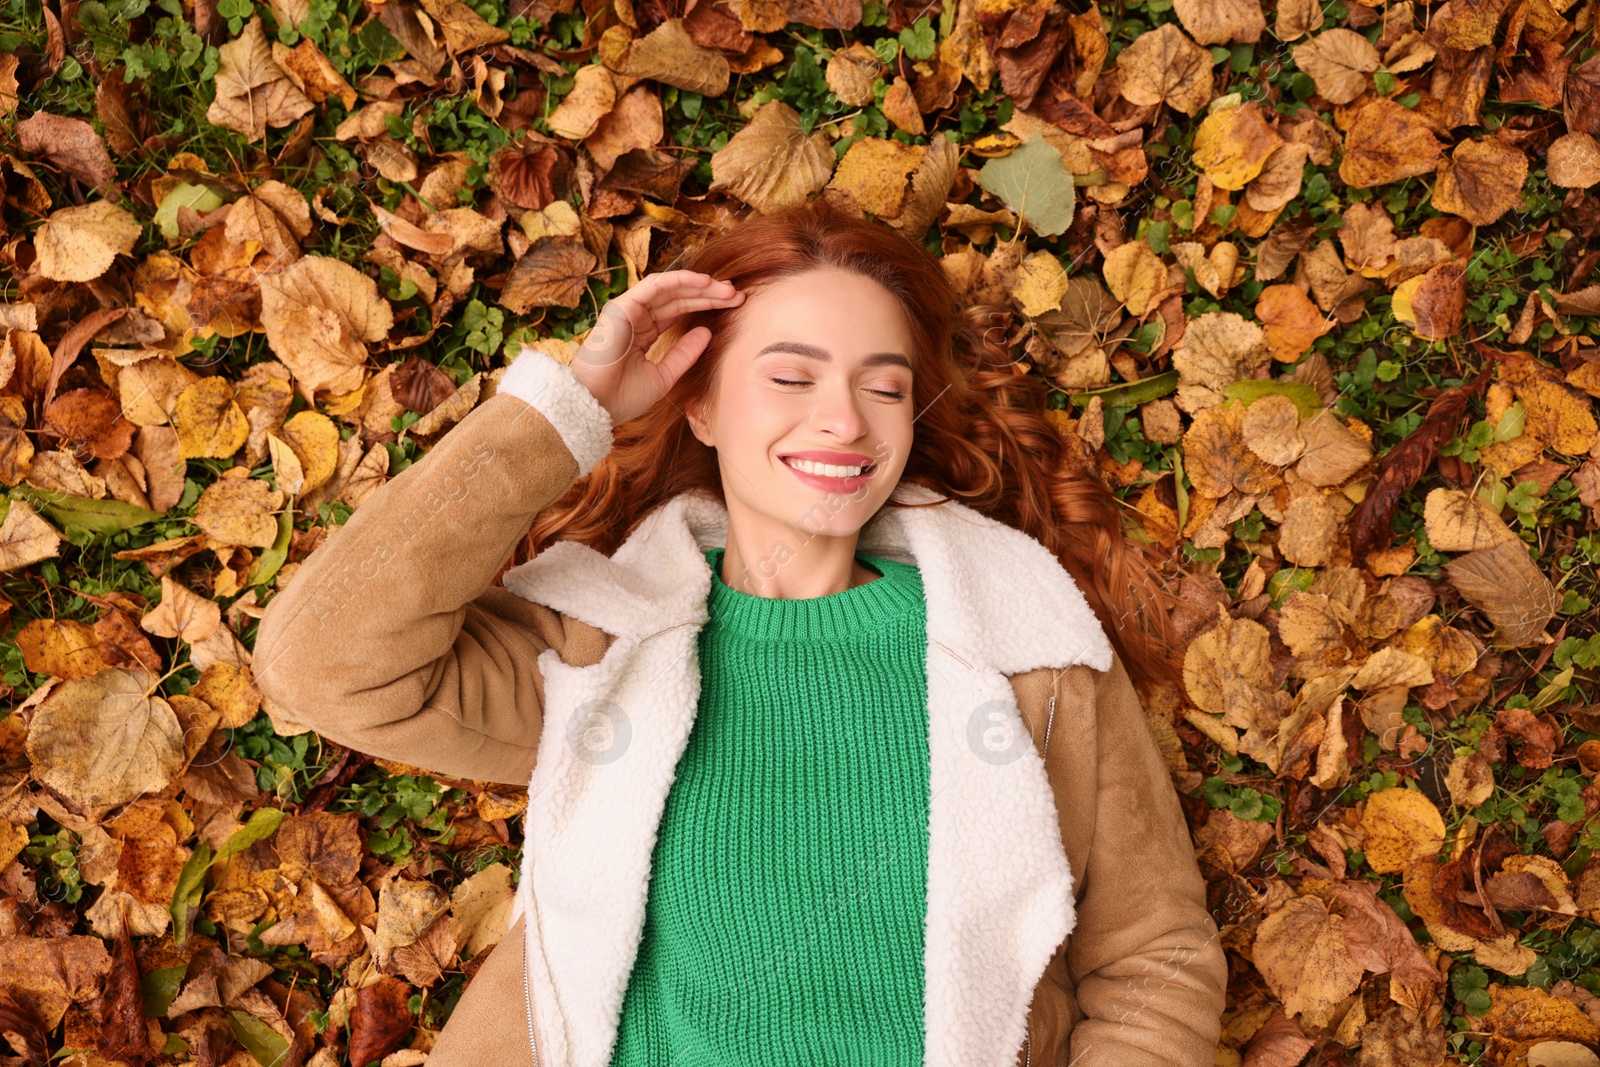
column 1052, row 718
column 527, row 1001
column 1029, row 1061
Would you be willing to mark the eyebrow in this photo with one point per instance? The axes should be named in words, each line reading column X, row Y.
column 810, row 351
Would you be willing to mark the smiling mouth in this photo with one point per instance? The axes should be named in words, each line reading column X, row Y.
column 821, row 470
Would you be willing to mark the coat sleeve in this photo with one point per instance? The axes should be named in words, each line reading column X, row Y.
column 1145, row 957
column 389, row 637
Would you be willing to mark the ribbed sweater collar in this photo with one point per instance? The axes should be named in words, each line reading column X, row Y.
column 838, row 616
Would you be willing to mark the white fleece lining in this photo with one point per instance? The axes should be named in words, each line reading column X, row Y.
column 549, row 385
column 999, row 884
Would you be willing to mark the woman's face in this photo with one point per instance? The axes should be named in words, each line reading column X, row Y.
column 818, row 367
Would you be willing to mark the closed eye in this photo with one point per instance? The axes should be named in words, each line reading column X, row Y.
column 880, row 392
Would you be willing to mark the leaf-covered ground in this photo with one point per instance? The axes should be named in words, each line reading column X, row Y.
column 1317, row 283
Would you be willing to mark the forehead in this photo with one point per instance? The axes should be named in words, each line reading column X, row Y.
column 836, row 312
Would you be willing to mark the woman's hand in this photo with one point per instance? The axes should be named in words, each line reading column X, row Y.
column 611, row 362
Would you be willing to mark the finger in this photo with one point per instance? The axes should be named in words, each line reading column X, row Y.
column 682, row 355
column 672, row 283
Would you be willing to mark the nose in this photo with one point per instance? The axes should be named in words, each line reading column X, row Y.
column 835, row 412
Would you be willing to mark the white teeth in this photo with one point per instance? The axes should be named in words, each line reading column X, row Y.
column 824, row 469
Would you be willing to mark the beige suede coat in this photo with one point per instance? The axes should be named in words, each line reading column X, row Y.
column 1066, row 914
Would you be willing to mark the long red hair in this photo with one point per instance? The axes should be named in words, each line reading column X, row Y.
column 982, row 437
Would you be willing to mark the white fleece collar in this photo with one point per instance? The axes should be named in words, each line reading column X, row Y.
column 995, row 595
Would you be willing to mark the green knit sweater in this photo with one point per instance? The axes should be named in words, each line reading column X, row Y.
column 787, row 900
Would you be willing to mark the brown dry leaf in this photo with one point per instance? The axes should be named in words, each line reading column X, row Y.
column 105, row 740
column 1309, row 530
column 1227, row 671
column 70, row 144
column 1387, row 143
column 1271, row 430
column 851, row 72
column 875, row 173
column 1216, row 458
column 313, row 73
column 1279, row 180
column 1232, row 145
column 275, row 216
column 239, row 511
column 1339, row 61
column 46, row 975
column 480, row 909
column 1333, row 451
column 1367, row 237
column 78, row 244
column 1457, row 521
column 593, row 95
column 1135, row 275
column 406, row 909
column 26, row 538
column 1481, row 180
column 464, row 30
column 1573, row 161
column 1221, row 21
column 182, row 613
column 553, row 272
column 1308, row 625
column 1433, row 304
column 1398, row 825
column 63, row 648
column 1522, row 1018
column 1300, row 951
column 1392, row 667
column 92, row 420
column 1557, row 415
column 319, row 314
column 1217, row 349
column 1163, row 66
column 670, row 56
column 1296, row 18
column 1292, row 321
column 252, row 91
column 635, row 122
column 769, row 164
column 1506, row 585
column 1470, row 780
column 208, row 422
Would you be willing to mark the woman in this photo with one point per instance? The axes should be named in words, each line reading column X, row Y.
column 824, row 765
